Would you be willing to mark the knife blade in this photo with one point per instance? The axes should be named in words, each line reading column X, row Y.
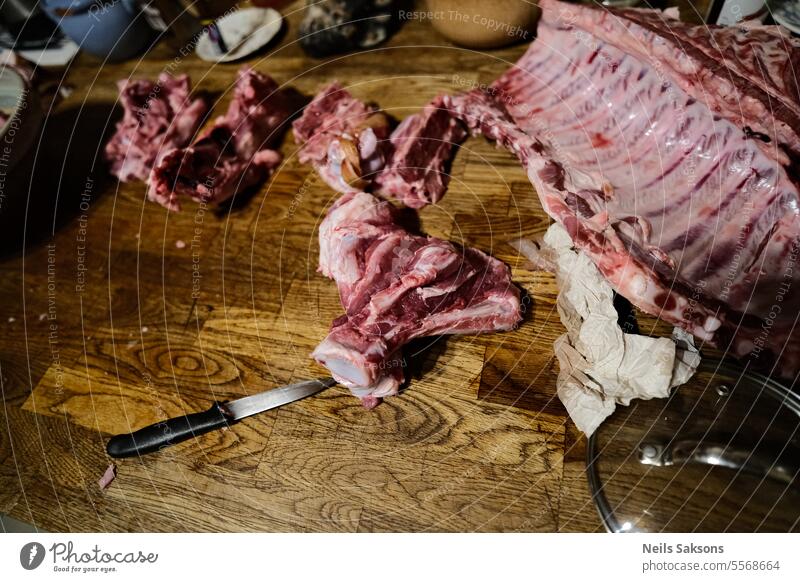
column 174, row 430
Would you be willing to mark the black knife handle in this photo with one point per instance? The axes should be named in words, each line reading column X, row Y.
column 163, row 434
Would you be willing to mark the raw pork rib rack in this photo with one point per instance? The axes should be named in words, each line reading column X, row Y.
column 396, row 286
column 234, row 154
column 670, row 155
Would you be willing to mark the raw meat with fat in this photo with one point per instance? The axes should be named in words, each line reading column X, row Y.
column 396, row 286
column 422, row 147
column 157, row 117
column 233, row 155
column 345, row 139
column 688, row 205
column 349, row 144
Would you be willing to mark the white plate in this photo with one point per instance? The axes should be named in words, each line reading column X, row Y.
column 786, row 13
column 244, row 32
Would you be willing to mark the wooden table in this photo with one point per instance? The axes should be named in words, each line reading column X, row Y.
column 109, row 325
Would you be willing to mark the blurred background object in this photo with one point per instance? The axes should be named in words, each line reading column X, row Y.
column 20, row 117
column 727, row 12
column 338, row 26
column 24, row 26
column 239, row 34
column 180, row 22
column 786, row 13
column 114, row 29
column 20, row 124
column 27, row 30
column 483, row 25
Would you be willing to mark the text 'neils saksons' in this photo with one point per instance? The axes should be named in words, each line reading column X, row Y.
column 664, row 548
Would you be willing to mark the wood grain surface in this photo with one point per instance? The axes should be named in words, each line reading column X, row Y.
column 107, row 326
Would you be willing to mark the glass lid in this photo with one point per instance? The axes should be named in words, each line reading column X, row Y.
column 721, row 454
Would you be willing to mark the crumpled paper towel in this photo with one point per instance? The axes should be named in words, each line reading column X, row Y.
column 600, row 365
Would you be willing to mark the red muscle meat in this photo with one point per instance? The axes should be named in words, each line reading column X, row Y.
column 233, row 155
column 422, row 147
column 349, row 144
column 669, row 153
column 396, row 286
column 157, row 117
column 345, row 139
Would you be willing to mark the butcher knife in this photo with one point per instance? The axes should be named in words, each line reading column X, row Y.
column 221, row 414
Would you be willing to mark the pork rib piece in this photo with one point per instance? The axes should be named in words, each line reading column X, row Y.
column 345, row 139
column 349, row 144
column 234, row 154
column 157, row 117
column 396, row 286
column 422, row 146
column 687, row 203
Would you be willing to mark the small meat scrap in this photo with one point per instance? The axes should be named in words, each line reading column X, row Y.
column 422, row 147
column 396, row 286
column 337, row 26
column 346, row 140
column 108, row 477
column 157, row 117
column 233, row 155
